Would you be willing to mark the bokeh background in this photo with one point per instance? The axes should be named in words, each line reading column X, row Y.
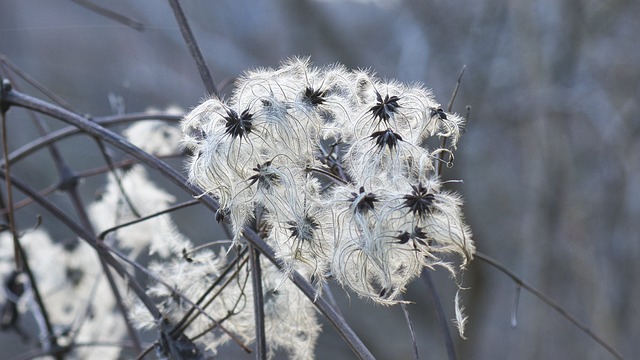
column 550, row 160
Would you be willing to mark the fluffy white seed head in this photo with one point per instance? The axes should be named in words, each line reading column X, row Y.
column 341, row 166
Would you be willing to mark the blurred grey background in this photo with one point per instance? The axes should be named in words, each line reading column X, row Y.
column 550, row 160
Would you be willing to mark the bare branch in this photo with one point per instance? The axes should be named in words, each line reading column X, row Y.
column 194, row 49
column 443, row 141
column 412, row 331
column 122, row 19
column 442, row 320
column 22, row 262
column 21, row 100
column 86, row 236
column 258, row 303
column 537, row 293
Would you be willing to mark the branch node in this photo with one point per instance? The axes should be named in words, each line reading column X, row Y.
column 6, row 88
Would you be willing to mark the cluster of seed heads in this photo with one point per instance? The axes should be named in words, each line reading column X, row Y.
column 337, row 167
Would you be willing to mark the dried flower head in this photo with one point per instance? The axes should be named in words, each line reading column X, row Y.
column 386, row 138
column 311, row 197
column 314, row 97
column 362, row 201
column 420, row 201
column 236, row 125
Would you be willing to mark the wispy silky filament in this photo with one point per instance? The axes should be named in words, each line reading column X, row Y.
column 373, row 215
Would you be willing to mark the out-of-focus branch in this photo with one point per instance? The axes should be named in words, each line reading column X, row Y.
column 22, row 262
column 537, row 293
column 65, row 132
column 442, row 321
column 86, row 236
column 93, row 129
column 194, row 49
column 412, row 331
column 122, row 19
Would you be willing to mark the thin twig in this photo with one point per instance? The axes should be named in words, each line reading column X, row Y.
column 81, row 175
column 116, row 177
column 22, row 100
column 258, row 303
column 443, row 141
column 35, row 83
column 412, row 331
column 426, row 276
column 118, row 165
column 135, row 338
column 89, row 239
column 211, row 327
column 70, row 187
column 175, row 291
column 455, row 90
column 110, row 14
column 235, row 264
column 96, row 130
column 146, row 351
column 194, row 49
column 173, row 208
column 467, row 116
column 338, row 322
column 442, row 320
column 22, row 263
column 331, row 176
column 26, row 201
column 68, row 182
column 68, row 131
column 76, row 200
column 537, row 293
